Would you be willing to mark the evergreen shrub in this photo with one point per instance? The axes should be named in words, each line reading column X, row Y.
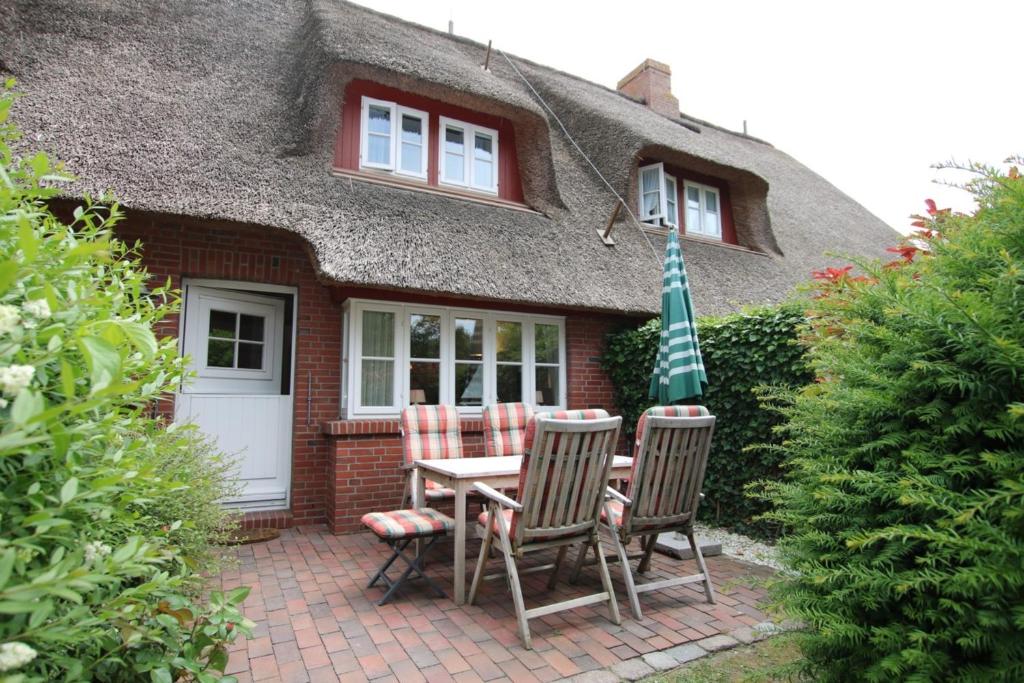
column 904, row 496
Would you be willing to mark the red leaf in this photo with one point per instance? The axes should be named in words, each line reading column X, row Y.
column 930, row 203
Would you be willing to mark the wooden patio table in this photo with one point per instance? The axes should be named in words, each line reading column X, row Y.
column 459, row 474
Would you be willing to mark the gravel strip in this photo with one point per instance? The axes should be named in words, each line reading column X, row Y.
column 739, row 546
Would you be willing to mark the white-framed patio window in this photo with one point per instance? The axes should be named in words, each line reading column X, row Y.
column 658, row 198
column 394, row 138
column 468, row 156
column 400, row 354
column 703, row 210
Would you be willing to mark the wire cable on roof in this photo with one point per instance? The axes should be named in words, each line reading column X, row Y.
column 582, row 153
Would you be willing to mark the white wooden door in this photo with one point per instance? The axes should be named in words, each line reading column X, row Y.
column 239, row 395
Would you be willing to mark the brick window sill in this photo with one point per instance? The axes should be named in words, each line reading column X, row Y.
column 390, row 426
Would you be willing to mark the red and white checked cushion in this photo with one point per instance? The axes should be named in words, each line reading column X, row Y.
column 505, row 428
column 430, row 433
column 664, row 411
column 398, row 524
column 616, row 508
column 435, row 491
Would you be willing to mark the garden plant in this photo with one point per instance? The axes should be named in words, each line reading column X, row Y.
column 904, row 496
column 108, row 516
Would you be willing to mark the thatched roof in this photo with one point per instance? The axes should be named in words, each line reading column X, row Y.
column 229, row 109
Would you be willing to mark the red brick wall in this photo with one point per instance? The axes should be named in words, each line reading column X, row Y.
column 178, row 249
column 336, row 476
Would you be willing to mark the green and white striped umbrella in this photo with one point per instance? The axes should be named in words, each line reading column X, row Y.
column 679, row 369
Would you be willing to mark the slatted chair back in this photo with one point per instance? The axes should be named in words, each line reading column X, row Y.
column 505, row 428
column 668, row 473
column 430, row 432
column 563, row 478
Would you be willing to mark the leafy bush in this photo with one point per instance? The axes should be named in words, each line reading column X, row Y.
column 904, row 501
column 741, row 351
column 105, row 516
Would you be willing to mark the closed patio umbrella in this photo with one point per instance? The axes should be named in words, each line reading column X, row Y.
column 679, row 368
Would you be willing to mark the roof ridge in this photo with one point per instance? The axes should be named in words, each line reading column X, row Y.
column 681, row 119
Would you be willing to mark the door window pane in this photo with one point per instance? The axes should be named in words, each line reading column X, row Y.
column 469, row 339
column 425, row 377
column 250, row 327
column 378, row 334
column 377, row 383
column 377, row 380
column 222, row 324
column 250, row 356
column 454, row 155
column 220, row 353
column 510, row 383
column 547, row 386
column 547, row 343
column 469, row 384
column 510, row 342
column 424, row 336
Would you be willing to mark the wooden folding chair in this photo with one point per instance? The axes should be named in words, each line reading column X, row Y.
column 561, row 490
column 663, row 495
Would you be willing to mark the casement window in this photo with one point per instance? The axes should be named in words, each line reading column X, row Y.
column 659, row 197
column 703, row 210
column 394, row 138
column 401, row 354
column 468, row 155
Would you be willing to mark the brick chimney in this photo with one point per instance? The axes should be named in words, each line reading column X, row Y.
column 652, row 83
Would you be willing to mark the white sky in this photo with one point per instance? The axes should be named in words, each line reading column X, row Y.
column 869, row 94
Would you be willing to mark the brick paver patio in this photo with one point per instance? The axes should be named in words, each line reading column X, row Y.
column 316, row 621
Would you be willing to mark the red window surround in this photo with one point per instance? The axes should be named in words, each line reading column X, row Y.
column 681, row 175
column 346, row 150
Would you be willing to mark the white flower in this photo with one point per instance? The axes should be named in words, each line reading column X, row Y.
column 9, row 319
column 13, row 655
column 14, row 378
column 38, row 308
column 3, row 403
column 94, row 550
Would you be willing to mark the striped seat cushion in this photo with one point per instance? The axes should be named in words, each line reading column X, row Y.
column 398, row 524
column 435, row 491
column 430, row 433
column 505, row 428
column 615, row 520
column 664, row 411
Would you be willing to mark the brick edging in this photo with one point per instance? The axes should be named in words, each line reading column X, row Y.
column 641, row 667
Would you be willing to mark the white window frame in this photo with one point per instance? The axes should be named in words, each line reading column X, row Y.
column 703, row 229
column 469, row 132
column 397, row 112
column 664, row 217
column 352, row 336
column 671, row 186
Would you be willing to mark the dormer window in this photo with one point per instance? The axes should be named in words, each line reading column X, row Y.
column 391, row 137
column 658, row 197
column 394, row 138
column 469, row 155
column 703, row 210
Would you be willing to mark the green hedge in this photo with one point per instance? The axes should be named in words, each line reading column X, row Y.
column 741, row 351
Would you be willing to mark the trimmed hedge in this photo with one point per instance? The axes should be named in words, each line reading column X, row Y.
column 741, row 352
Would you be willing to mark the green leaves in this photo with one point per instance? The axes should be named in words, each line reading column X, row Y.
column 92, row 497
column 905, row 489
column 103, row 360
column 741, row 352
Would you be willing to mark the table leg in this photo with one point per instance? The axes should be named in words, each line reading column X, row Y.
column 418, row 487
column 459, row 591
